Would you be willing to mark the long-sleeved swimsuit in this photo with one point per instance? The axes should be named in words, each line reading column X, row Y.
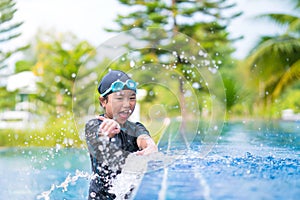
column 108, row 154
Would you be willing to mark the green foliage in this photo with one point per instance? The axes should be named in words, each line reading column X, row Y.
column 291, row 21
column 8, row 30
column 59, row 132
column 237, row 90
column 203, row 21
column 23, row 65
column 58, row 60
column 231, row 90
column 7, row 99
column 274, row 62
column 269, row 74
column 288, row 100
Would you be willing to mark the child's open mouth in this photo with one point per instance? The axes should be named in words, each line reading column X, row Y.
column 125, row 114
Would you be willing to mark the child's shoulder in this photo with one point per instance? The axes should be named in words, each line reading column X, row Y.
column 130, row 123
column 137, row 126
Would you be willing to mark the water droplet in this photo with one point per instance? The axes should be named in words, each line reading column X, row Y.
column 216, row 128
column 188, row 93
column 93, row 194
column 196, row 85
column 212, row 70
column 132, row 63
column 57, row 79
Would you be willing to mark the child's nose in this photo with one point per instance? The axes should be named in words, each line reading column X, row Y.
column 126, row 102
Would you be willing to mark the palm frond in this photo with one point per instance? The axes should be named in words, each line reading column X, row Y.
column 294, row 27
column 291, row 75
column 281, row 19
column 274, row 48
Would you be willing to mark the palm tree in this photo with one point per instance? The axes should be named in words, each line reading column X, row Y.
column 275, row 61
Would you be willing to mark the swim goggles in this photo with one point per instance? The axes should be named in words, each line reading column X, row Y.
column 119, row 85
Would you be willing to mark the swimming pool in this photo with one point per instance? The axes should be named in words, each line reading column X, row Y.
column 252, row 160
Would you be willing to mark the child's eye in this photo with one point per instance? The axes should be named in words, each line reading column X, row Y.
column 118, row 98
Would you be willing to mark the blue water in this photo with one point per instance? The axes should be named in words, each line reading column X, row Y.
column 252, row 160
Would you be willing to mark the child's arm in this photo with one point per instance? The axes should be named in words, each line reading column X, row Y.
column 108, row 127
column 146, row 143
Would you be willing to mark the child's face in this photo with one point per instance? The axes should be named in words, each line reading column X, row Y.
column 120, row 105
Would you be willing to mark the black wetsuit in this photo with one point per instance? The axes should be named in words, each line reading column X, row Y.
column 108, row 155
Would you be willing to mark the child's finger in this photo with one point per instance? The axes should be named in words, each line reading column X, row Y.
column 106, row 123
column 108, row 126
column 141, row 152
column 115, row 131
column 101, row 118
column 114, row 127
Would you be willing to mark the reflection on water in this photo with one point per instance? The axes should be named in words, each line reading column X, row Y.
column 251, row 159
column 283, row 134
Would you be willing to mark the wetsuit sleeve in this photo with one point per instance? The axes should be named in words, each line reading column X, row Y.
column 102, row 148
column 91, row 135
column 105, row 164
column 141, row 129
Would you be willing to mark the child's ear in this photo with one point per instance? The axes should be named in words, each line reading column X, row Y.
column 103, row 101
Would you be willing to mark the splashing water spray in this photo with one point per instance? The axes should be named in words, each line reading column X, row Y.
column 181, row 76
column 64, row 185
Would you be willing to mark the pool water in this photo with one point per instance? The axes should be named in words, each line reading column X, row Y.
column 251, row 160
column 27, row 173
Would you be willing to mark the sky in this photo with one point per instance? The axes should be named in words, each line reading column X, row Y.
column 87, row 18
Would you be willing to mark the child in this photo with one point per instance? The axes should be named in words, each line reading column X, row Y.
column 111, row 137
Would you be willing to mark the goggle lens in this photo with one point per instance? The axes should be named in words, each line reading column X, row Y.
column 131, row 84
column 119, row 85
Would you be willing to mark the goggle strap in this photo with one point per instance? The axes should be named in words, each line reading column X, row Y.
column 127, row 83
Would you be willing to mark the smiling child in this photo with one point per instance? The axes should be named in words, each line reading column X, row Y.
column 111, row 136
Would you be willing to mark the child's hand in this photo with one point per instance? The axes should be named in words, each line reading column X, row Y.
column 109, row 127
column 147, row 145
column 148, row 150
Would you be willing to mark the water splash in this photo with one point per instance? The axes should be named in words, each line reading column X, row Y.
column 127, row 183
column 64, row 185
